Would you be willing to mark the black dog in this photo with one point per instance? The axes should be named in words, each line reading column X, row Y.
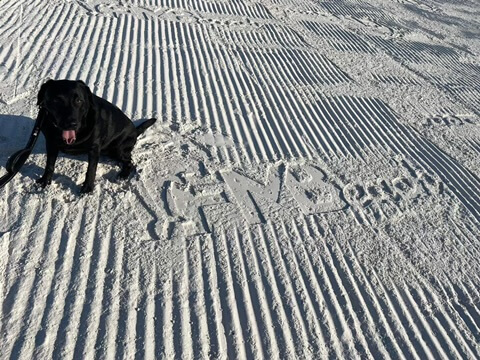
column 79, row 122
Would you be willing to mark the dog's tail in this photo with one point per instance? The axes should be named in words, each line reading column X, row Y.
column 145, row 125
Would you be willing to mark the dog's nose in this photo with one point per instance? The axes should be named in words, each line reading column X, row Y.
column 71, row 125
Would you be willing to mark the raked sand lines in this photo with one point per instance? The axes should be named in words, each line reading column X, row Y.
column 119, row 47
column 292, row 301
column 236, row 7
column 69, row 284
column 112, row 275
column 290, row 304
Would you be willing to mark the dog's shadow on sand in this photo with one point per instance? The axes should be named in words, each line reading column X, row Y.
column 15, row 131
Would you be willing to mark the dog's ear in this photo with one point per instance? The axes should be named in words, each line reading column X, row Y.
column 42, row 91
column 88, row 92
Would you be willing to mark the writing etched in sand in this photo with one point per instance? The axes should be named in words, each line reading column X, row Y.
column 311, row 192
column 288, row 189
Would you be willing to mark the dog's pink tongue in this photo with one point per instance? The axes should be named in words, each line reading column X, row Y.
column 69, row 136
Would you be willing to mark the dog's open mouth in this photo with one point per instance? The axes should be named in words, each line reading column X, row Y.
column 69, row 136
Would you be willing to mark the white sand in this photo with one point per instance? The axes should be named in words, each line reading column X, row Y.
column 310, row 190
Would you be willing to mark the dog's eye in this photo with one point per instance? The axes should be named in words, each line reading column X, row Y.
column 78, row 101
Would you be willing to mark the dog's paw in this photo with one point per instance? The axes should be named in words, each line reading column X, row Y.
column 86, row 188
column 43, row 181
column 125, row 173
column 122, row 176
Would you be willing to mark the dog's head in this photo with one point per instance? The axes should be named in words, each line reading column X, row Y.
column 68, row 103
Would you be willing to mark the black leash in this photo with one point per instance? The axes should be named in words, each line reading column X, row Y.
column 17, row 159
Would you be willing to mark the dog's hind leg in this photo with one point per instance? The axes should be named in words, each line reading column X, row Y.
column 125, row 157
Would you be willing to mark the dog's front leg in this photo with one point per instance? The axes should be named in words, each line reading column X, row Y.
column 93, row 157
column 52, row 154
